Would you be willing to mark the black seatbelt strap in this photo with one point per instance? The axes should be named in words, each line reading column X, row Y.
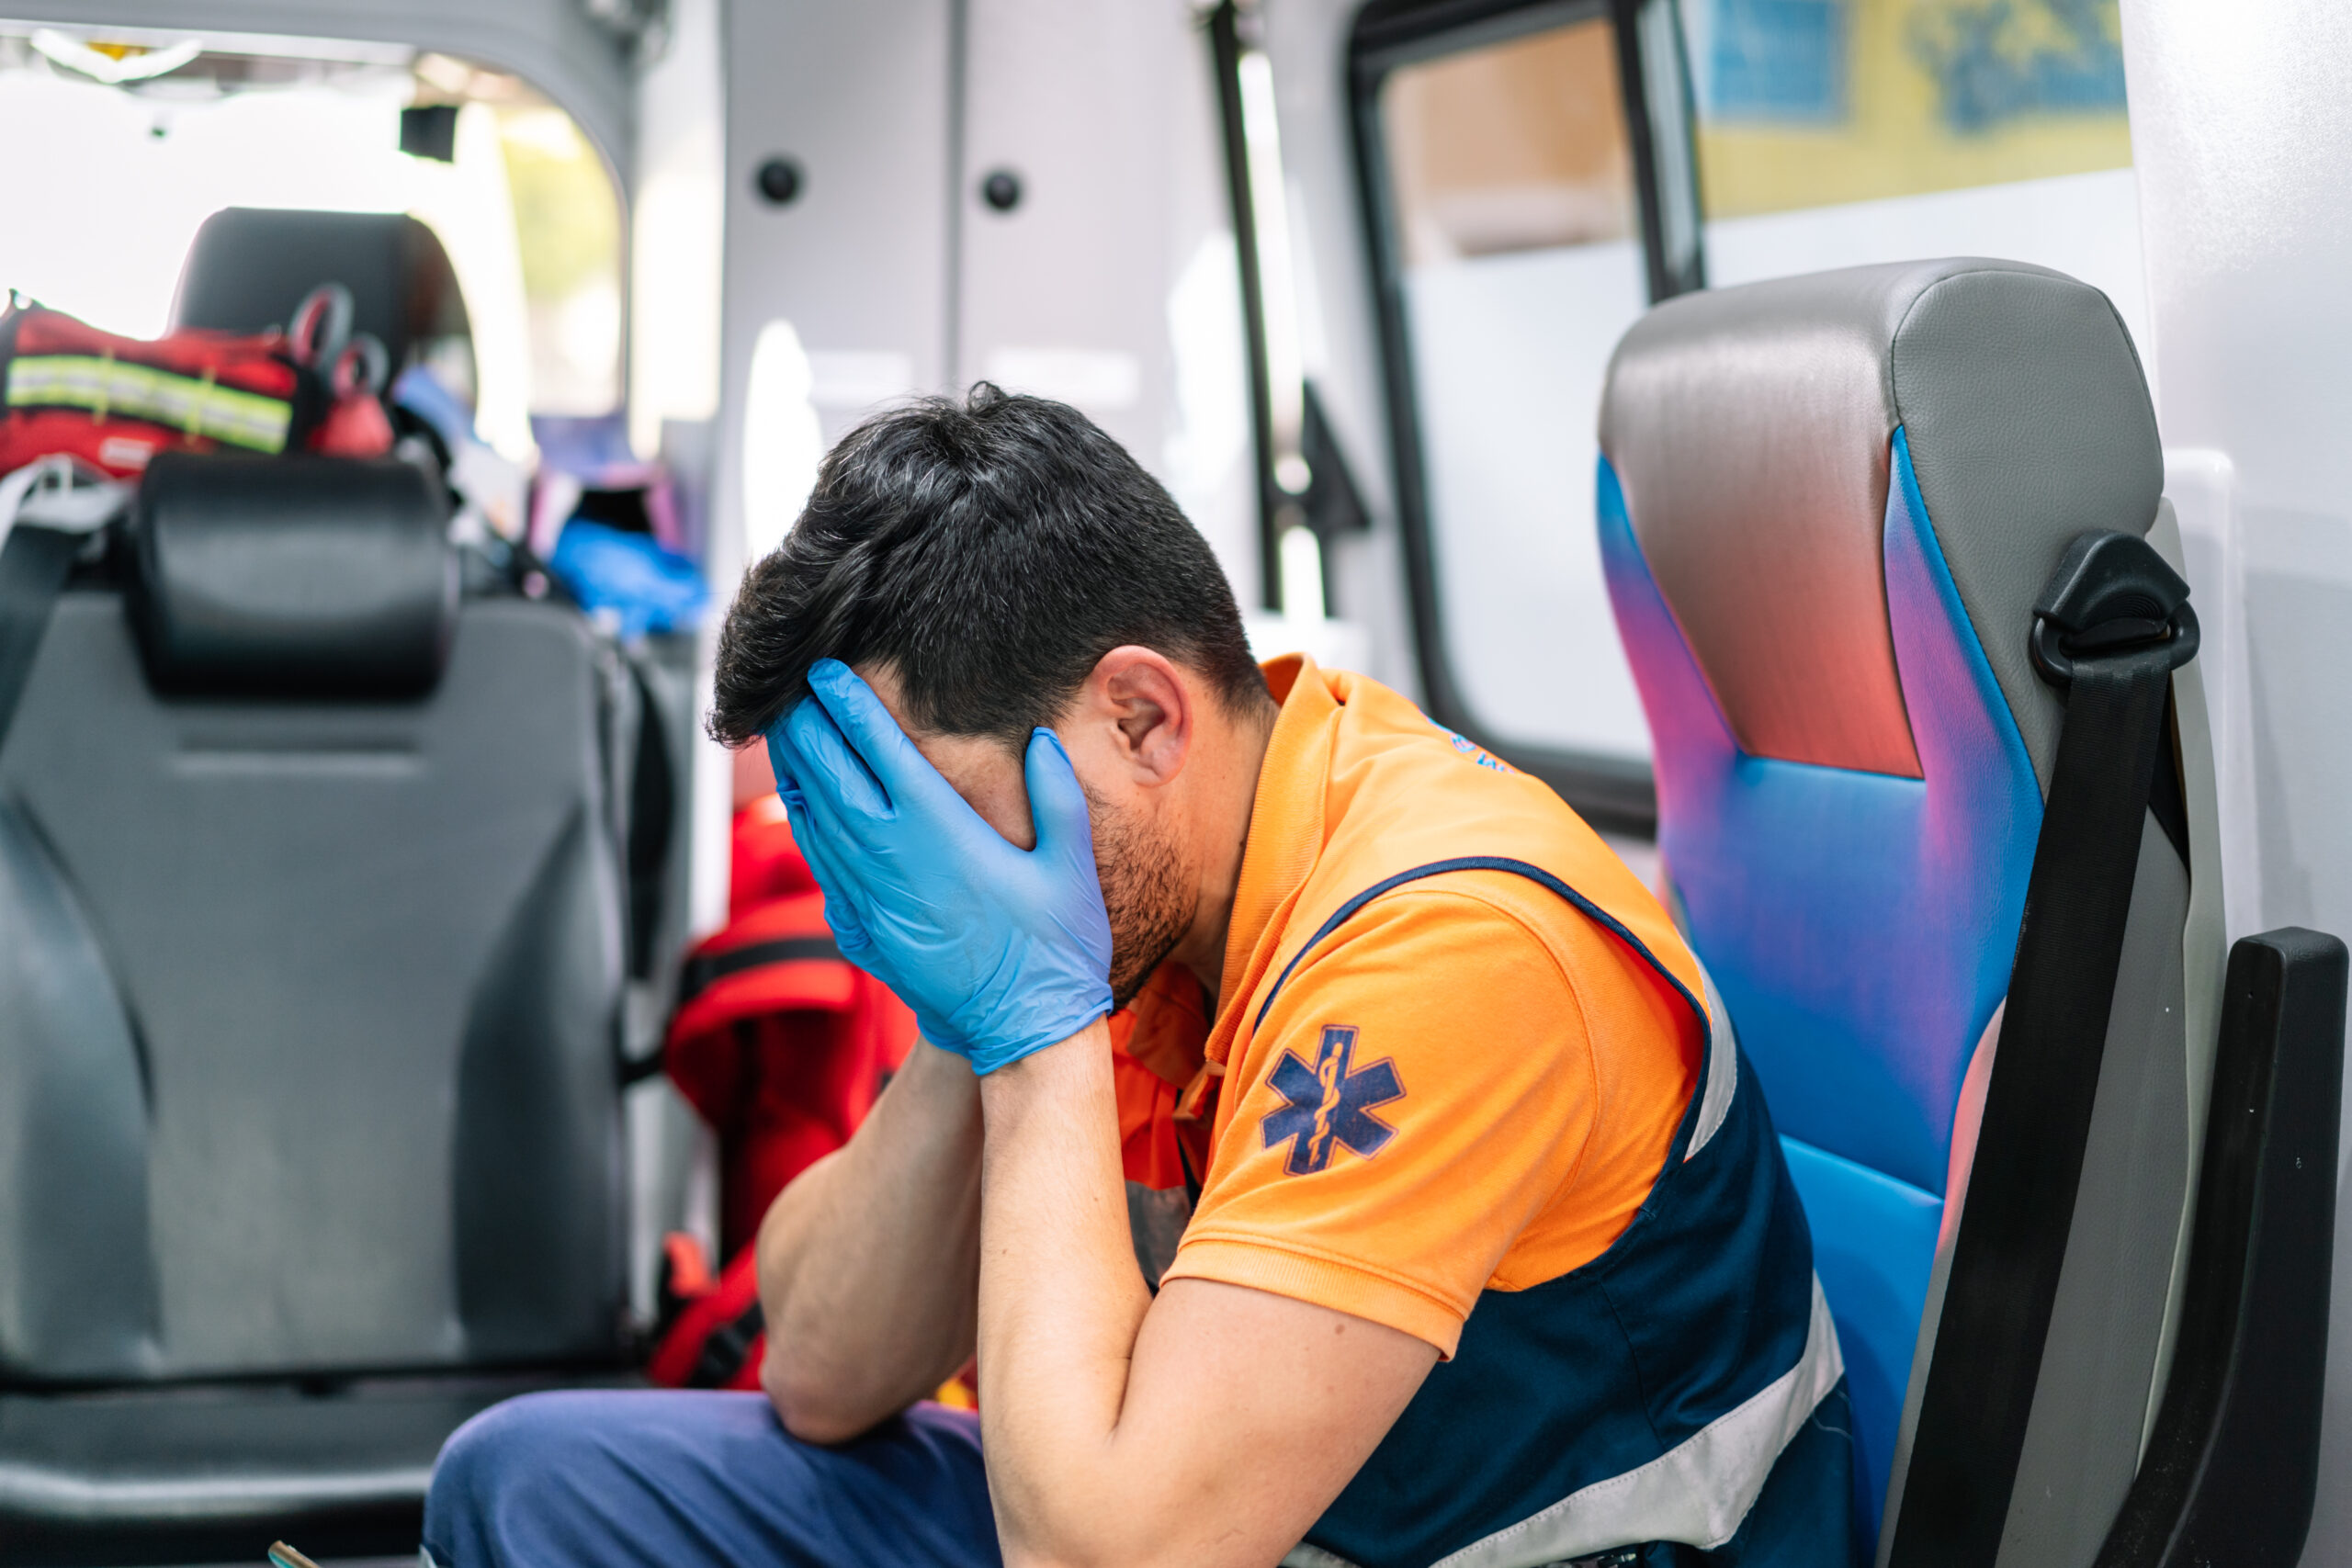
column 652, row 822
column 2108, row 631
column 728, row 1348
column 48, row 511
column 33, row 567
column 700, row 974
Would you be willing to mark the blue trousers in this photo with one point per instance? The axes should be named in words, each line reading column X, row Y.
column 657, row 1478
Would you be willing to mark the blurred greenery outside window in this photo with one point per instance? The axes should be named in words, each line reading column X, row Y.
column 567, row 228
column 1816, row 103
column 567, row 224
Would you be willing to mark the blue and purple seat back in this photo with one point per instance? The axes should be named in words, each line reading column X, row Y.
column 1826, row 506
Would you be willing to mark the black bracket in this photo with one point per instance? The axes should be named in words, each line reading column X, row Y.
column 2232, row 1465
column 2111, row 594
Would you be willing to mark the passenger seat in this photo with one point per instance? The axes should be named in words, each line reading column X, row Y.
column 1833, row 511
column 310, row 974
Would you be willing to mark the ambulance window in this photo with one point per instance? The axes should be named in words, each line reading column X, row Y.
column 1836, row 133
column 1519, row 146
column 1521, row 225
column 568, row 242
column 144, row 136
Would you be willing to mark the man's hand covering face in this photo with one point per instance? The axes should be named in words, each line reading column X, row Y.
column 1000, row 950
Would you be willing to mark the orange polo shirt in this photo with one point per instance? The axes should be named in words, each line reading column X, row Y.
column 1466, row 1084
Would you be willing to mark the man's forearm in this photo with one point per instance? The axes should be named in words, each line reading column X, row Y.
column 1061, row 1301
column 868, row 1262
column 1208, row 1426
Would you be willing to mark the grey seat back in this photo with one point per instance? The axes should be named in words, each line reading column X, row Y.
column 308, row 983
column 1828, row 504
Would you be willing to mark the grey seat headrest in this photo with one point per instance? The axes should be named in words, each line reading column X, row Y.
column 318, row 577
column 1750, row 429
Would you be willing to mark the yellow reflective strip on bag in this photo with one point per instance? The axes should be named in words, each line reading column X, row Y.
column 138, row 391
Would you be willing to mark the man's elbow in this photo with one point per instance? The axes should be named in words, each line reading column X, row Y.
column 1018, row 1554
column 1081, row 1554
column 815, row 1408
column 1084, row 1536
column 1069, row 1554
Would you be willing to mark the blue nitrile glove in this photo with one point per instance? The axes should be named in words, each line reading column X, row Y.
column 1000, row 951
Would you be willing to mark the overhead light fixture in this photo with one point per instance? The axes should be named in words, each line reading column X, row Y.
column 135, row 64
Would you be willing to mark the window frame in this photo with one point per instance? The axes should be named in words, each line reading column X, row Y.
column 1225, row 27
column 1654, row 81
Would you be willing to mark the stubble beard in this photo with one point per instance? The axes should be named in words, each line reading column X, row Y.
column 1144, row 893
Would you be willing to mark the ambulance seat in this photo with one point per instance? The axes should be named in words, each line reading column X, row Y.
column 1827, row 506
column 310, row 980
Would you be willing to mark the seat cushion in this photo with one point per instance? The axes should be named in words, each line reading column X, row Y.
column 211, row 1474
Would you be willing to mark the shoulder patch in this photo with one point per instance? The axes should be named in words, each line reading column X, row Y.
column 1331, row 1103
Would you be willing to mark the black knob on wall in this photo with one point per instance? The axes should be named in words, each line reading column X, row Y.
column 1000, row 188
column 778, row 181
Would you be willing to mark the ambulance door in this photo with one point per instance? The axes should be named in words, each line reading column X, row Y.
column 923, row 194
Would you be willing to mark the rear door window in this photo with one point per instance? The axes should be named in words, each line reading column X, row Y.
column 1536, row 176
column 1836, row 133
column 1513, row 168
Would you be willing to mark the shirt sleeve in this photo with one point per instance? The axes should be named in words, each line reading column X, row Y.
column 1423, row 1087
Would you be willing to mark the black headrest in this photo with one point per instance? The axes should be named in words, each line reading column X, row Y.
column 250, row 267
column 292, row 576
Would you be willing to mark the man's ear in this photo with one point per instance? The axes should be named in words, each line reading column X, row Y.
column 1147, row 711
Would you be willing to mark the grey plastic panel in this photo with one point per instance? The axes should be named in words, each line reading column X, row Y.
column 1107, row 112
column 2105, row 1359
column 363, row 944
column 2203, row 942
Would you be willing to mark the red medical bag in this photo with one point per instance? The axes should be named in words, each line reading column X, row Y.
column 782, row 1045
column 114, row 403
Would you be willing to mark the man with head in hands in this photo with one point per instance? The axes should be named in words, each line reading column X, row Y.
column 1326, row 1146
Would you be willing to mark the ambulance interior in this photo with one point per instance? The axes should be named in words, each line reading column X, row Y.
column 372, row 901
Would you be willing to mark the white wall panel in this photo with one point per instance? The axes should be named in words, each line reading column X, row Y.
column 2242, row 138
column 1112, row 285
column 858, row 97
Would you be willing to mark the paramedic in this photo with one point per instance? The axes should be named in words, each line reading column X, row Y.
column 1325, row 1141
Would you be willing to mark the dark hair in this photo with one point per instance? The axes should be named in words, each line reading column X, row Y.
column 990, row 552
